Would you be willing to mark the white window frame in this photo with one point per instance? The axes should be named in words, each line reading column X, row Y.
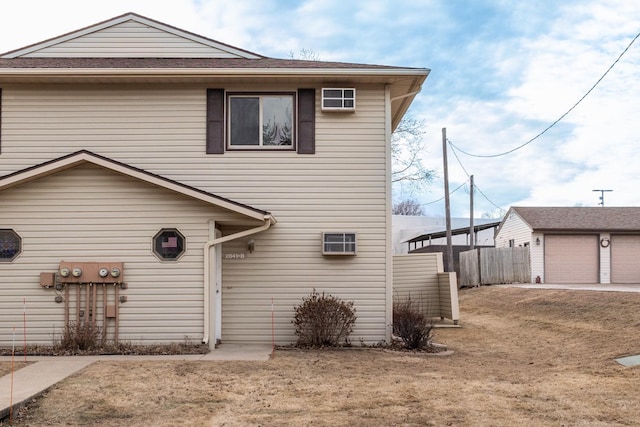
column 347, row 103
column 349, row 246
column 261, row 96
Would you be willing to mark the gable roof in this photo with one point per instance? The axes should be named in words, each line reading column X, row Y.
column 134, row 31
column 578, row 218
column 84, row 156
column 134, row 49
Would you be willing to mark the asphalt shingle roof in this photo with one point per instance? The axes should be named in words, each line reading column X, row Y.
column 184, row 63
column 581, row 218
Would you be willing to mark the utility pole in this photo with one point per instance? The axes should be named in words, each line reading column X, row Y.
column 602, row 196
column 472, row 236
column 446, row 202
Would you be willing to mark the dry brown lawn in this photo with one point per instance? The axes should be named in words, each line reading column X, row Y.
column 6, row 367
column 522, row 357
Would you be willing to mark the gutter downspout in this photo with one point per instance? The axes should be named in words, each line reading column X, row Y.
column 269, row 220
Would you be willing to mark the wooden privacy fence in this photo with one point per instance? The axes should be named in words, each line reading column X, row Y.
column 488, row 266
column 421, row 277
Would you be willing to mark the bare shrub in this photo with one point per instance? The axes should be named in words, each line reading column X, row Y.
column 411, row 325
column 323, row 320
column 79, row 337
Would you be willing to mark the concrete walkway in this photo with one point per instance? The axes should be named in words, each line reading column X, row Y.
column 37, row 377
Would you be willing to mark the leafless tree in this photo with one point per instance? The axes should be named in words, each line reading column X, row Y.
column 305, row 54
column 407, row 150
column 408, row 207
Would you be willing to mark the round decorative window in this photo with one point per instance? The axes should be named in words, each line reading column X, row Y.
column 168, row 244
column 10, row 245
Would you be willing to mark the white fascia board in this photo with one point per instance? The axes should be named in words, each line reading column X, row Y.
column 64, row 38
column 210, row 72
column 80, row 158
column 195, row 37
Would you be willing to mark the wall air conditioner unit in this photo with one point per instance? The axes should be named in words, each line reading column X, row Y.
column 338, row 243
column 339, row 99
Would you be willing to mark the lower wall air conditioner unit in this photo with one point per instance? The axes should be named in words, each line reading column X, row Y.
column 338, row 243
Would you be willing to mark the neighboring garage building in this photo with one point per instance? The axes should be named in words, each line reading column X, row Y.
column 576, row 244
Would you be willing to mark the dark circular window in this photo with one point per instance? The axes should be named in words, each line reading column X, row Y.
column 10, row 245
column 168, row 244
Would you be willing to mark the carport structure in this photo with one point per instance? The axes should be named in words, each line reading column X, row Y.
column 576, row 244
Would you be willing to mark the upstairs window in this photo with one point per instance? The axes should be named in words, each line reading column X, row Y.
column 303, row 133
column 261, row 121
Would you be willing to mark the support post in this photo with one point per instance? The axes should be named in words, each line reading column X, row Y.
column 447, row 202
column 472, row 235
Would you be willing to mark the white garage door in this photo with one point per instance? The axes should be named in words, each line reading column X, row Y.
column 625, row 259
column 571, row 259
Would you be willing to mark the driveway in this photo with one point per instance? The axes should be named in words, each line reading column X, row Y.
column 578, row 287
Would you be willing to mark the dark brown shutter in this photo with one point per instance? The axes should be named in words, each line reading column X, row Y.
column 306, row 121
column 215, row 121
column 0, row 120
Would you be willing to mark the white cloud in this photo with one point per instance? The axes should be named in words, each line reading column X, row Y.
column 542, row 75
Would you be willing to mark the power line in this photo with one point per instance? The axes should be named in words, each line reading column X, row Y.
column 559, row 119
column 488, row 199
column 469, row 176
column 458, row 158
column 459, row 187
column 442, row 198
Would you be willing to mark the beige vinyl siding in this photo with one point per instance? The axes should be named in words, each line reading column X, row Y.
column 90, row 214
column 162, row 130
column 449, row 305
column 420, row 277
column 287, row 274
column 130, row 39
column 415, row 276
column 340, row 188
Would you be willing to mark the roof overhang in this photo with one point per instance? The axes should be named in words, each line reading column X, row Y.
column 39, row 64
column 86, row 157
column 404, row 84
column 454, row 232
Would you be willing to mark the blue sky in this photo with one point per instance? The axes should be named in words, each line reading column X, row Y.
column 501, row 72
